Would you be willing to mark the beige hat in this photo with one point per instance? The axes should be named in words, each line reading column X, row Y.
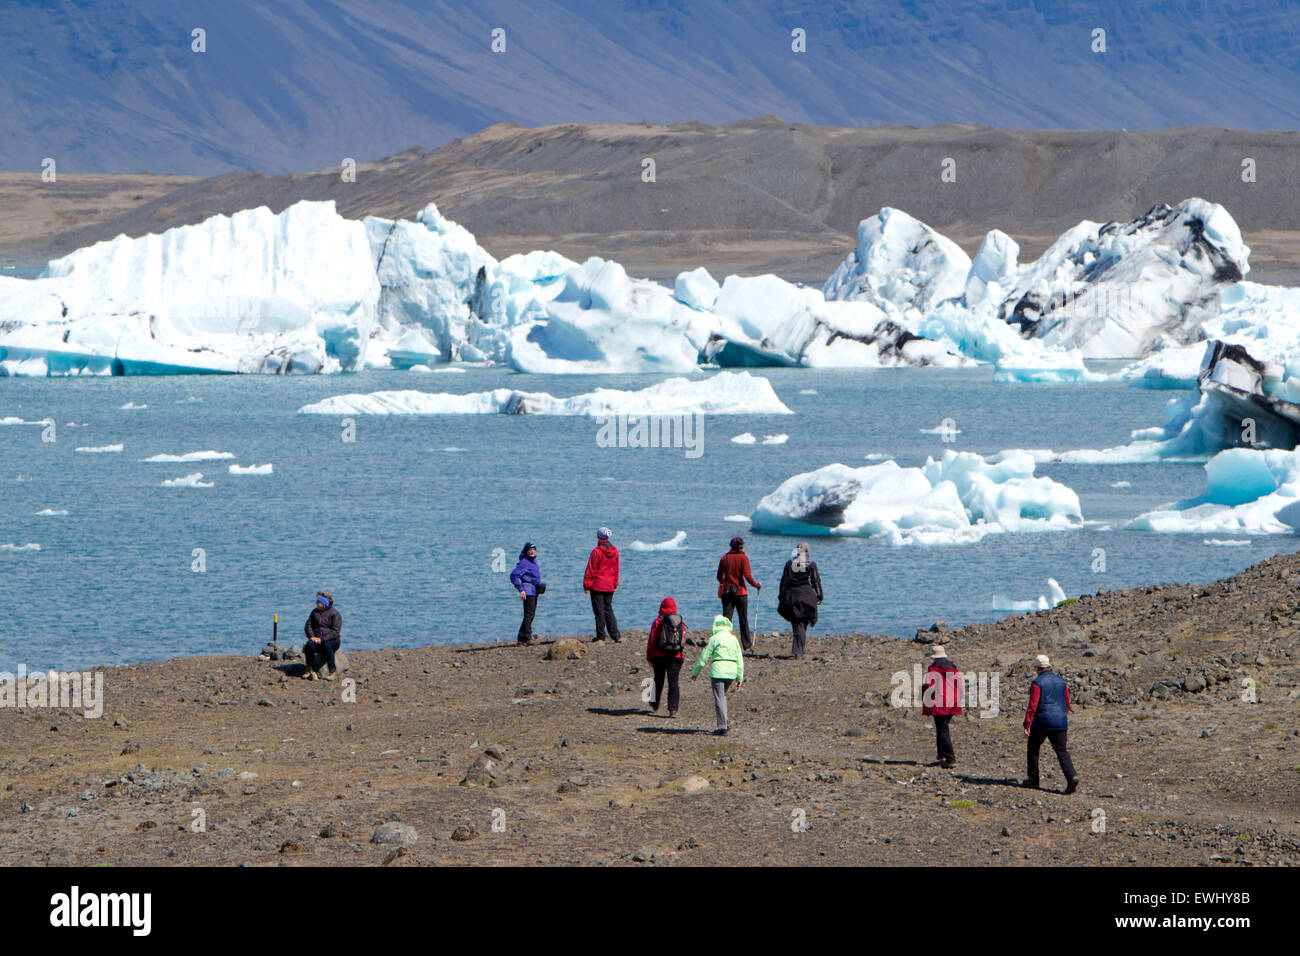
column 938, row 651
column 1042, row 661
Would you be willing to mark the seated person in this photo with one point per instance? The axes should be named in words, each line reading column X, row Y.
column 323, row 626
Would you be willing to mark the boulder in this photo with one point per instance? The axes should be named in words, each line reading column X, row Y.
column 568, row 649
column 489, row 769
column 689, row 784
column 340, row 663
column 395, row 834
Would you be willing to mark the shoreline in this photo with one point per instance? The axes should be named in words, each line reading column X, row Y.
column 496, row 756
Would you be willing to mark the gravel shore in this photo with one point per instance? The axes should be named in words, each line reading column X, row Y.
column 1184, row 732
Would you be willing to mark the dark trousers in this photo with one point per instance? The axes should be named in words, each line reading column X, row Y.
column 800, row 645
column 667, row 667
column 943, row 737
column 602, row 605
column 317, row 655
column 1057, row 737
column 739, row 602
column 526, row 626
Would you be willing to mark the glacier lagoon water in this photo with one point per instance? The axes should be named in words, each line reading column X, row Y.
column 403, row 524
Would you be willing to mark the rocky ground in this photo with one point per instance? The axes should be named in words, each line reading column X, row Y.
column 1184, row 732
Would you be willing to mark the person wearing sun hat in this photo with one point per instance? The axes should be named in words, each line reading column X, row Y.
column 1046, row 718
column 600, row 580
column 941, row 694
column 323, row 626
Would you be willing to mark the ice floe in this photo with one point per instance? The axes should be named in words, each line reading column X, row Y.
column 958, row 498
column 724, row 393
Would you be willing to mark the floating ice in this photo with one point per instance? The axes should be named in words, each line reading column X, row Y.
column 51, row 512
column 1227, row 542
column 129, row 406
column 676, row 543
column 775, row 439
column 1247, row 491
column 190, row 456
column 194, row 480
column 99, row 449
column 744, row 438
column 902, row 261
column 1054, row 596
column 725, row 393
column 735, row 518
column 251, row 469
column 30, row 546
column 959, row 498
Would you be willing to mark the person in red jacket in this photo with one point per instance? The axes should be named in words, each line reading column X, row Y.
column 663, row 651
column 733, row 572
column 601, row 581
column 941, row 695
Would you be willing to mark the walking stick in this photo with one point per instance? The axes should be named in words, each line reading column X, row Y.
column 275, row 630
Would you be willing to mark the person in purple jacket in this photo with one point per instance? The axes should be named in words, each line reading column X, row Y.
column 527, row 580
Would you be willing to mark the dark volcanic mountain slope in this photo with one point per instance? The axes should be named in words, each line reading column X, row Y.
column 759, row 194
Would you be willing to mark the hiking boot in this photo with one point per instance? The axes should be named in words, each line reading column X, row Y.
column 1030, row 784
column 332, row 674
column 1073, row 785
column 654, row 706
column 720, row 732
column 311, row 674
column 947, row 764
column 672, row 714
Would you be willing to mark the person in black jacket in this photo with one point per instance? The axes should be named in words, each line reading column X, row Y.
column 323, row 626
column 801, row 592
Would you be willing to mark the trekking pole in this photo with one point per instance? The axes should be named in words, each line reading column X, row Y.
column 275, row 630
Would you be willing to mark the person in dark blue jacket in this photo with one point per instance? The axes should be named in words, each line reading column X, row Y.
column 1046, row 718
column 527, row 580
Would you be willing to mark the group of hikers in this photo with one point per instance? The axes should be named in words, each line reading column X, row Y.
column 800, row 594
column 1046, row 716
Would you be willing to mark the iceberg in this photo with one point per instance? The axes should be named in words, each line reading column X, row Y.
column 30, row 546
column 1247, row 491
column 1053, row 597
column 901, row 261
column 958, row 498
column 1122, row 290
column 99, row 449
column 251, row 469
column 309, row 291
column 767, row 321
column 744, row 438
column 194, row 480
column 676, row 543
column 190, row 456
column 725, row 393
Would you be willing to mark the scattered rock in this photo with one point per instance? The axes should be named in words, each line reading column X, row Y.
column 395, row 834
column 689, row 784
column 569, row 649
column 464, row 833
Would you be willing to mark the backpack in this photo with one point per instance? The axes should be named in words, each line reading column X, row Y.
column 669, row 640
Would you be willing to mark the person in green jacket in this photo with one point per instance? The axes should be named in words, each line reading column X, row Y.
column 726, row 664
